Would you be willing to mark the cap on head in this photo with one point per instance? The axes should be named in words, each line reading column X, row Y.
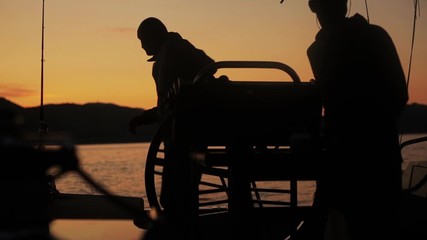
column 315, row 5
column 152, row 33
column 329, row 12
column 152, row 27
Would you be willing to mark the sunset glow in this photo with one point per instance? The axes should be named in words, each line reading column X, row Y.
column 92, row 53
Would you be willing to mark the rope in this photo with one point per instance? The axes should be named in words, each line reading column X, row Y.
column 367, row 10
column 416, row 9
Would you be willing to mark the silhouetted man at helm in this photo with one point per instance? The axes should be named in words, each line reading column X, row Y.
column 364, row 92
column 175, row 59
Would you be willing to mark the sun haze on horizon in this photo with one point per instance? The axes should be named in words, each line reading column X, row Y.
column 92, row 54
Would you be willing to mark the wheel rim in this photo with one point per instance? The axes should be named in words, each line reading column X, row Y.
column 154, row 160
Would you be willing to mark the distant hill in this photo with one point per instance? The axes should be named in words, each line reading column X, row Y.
column 84, row 124
column 8, row 105
column 108, row 123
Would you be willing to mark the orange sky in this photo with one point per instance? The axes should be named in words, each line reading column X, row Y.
column 92, row 53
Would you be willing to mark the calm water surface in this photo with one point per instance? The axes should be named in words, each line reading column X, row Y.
column 120, row 169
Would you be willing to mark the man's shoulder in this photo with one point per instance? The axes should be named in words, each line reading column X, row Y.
column 357, row 21
column 175, row 38
column 176, row 43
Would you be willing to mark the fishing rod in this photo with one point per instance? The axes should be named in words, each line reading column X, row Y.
column 43, row 129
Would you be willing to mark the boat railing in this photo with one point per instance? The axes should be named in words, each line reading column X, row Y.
column 417, row 186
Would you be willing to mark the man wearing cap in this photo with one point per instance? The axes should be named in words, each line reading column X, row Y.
column 362, row 82
column 174, row 59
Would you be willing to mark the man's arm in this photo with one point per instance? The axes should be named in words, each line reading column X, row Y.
column 146, row 117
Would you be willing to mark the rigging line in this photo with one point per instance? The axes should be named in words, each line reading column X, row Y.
column 416, row 9
column 42, row 67
column 367, row 10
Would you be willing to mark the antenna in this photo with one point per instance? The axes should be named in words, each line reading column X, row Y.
column 43, row 129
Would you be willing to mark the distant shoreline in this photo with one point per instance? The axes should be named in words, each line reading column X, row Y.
column 99, row 123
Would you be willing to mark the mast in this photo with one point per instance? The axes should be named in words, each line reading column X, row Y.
column 42, row 124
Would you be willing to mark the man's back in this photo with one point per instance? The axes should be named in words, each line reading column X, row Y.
column 177, row 59
column 361, row 76
column 364, row 91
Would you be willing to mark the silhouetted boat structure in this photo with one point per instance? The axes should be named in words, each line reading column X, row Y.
column 283, row 139
column 284, row 148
